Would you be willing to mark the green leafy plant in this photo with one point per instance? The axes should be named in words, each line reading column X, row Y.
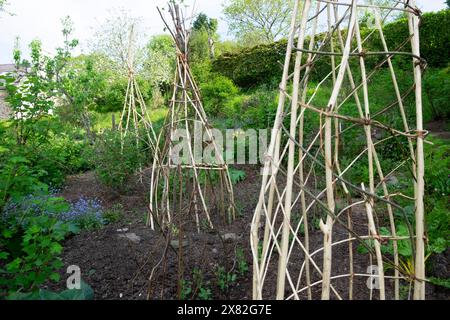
column 224, row 279
column 236, row 175
column 241, row 261
column 216, row 93
column 17, row 179
column 114, row 163
column 205, row 294
column 437, row 91
column 84, row 293
column 186, row 289
column 440, row 282
column 114, row 214
column 199, row 288
column 38, row 259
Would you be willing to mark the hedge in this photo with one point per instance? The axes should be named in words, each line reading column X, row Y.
column 263, row 63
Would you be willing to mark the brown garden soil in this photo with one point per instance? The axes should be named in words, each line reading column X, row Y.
column 117, row 268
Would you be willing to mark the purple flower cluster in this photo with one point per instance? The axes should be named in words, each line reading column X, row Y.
column 30, row 205
column 84, row 208
column 86, row 213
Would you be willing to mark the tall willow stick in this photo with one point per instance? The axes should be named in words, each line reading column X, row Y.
column 419, row 284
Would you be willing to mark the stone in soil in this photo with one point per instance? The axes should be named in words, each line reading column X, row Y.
column 133, row 237
column 230, row 237
column 176, row 244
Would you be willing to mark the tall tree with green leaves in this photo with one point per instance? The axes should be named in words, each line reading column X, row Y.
column 83, row 86
column 258, row 21
column 159, row 64
column 204, row 24
column 30, row 97
column 448, row 3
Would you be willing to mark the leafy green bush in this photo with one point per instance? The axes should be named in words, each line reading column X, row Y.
column 437, row 163
column 44, row 160
column 30, row 242
column 438, row 226
column 84, row 293
column 40, row 258
column 252, row 66
column 262, row 64
column 215, row 93
column 437, row 91
column 114, row 214
column 17, row 179
column 434, row 37
column 58, row 158
column 113, row 164
column 259, row 110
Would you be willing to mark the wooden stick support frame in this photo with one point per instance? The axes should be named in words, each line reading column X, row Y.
column 302, row 222
column 201, row 193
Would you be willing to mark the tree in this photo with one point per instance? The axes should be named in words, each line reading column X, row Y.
column 113, row 40
column 259, row 21
column 30, row 97
column 209, row 26
column 448, row 3
column 3, row 3
column 83, row 86
column 367, row 16
column 159, row 64
column 199, row 47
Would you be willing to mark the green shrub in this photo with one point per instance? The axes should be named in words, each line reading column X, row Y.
column 215, row 93
column 114, row 163
column 114, row 214
column 263, row 64
column 258, row 109
column 63, row 155
column 202, row 71
column 438, row 226
column 114, row 96
column 437, row 92
column 437, row 184
column 252, row 66
column 437, row 164
column 18, row 178
column 41, row 162
column 30, row 246
column 41, row 248
column 434, row 37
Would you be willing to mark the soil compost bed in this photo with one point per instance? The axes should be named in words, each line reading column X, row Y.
column 117, row 261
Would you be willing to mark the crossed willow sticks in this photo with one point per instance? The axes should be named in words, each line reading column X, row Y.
column 281, row 238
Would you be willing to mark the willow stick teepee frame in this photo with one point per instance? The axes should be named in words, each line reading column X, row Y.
column 282, row 245
column 187, row 189
column 135, row 119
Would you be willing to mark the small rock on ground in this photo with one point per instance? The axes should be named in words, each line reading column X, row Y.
column 133, row 237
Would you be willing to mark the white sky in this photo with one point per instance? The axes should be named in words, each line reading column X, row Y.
column 41, row 19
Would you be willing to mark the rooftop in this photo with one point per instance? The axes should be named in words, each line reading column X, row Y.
column 4, row 68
